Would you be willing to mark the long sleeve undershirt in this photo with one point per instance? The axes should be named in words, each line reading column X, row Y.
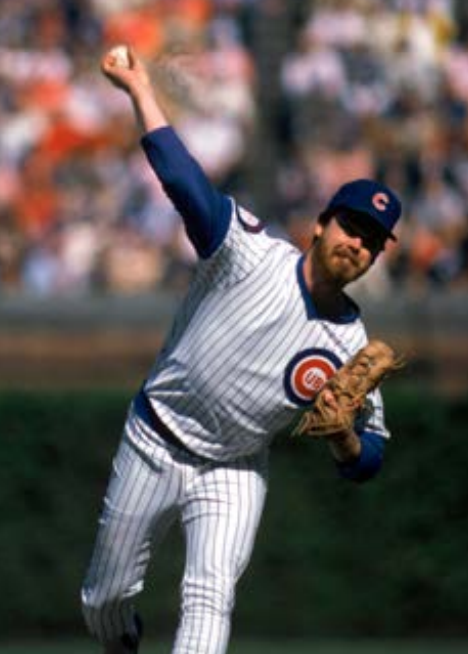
column 369, row 461
column 205, row 210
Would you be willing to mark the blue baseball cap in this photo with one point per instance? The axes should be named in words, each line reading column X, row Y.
column 371, row 198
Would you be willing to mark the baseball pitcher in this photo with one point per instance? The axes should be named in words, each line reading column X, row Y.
column 262, row 331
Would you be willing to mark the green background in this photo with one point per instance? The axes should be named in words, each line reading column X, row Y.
column 241, row 646
column 385, row 559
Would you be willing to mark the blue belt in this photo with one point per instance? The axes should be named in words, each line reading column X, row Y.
column 146, row 412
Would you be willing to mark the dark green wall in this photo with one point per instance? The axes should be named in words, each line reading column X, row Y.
column 332, row 557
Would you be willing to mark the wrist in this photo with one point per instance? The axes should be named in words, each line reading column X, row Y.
column 345, row 446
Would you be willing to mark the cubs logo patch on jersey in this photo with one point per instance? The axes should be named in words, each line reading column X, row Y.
column 307, row 373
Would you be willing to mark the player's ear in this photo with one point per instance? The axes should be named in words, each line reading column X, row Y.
column 317, row 232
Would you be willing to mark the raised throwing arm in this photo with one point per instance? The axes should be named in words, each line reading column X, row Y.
column 205, row 210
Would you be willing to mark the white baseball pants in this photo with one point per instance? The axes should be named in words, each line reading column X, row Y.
column 219, row 506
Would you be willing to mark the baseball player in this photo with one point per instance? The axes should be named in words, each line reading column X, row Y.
column 261, row 329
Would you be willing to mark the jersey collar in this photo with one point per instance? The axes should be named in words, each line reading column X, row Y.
column 350, row 314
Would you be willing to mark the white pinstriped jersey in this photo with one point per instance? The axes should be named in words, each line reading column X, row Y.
column 245, row 355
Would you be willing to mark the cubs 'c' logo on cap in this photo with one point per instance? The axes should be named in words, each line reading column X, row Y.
column 307, row 372
column 380, row 201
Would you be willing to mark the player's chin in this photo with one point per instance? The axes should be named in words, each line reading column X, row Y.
column 346, row 271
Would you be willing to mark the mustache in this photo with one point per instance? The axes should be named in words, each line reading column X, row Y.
column 343, row 251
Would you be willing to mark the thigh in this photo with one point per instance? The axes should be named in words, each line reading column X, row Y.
column 139, row 506
column 221, row 517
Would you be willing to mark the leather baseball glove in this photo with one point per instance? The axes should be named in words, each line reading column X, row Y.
column 344, row 396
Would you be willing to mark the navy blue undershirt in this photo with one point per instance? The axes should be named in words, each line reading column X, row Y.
column 369, row 461
column 206, row 213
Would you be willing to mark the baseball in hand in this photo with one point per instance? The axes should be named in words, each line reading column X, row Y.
column 121, row 57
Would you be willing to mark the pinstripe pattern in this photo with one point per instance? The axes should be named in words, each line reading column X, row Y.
column 219, row 506
column 140, row 494
column 220, row 517
column 242, row 322
column 221, row 386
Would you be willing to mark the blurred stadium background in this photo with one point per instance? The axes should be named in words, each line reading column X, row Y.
column 281, row 101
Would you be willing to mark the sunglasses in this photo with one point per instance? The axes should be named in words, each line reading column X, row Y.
column 353, row 224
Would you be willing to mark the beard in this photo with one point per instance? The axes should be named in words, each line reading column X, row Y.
column 338, row 264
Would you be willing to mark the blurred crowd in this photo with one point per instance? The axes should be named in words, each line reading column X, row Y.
column 364, row 88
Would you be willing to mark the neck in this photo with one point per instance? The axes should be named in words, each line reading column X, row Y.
column 326, row 293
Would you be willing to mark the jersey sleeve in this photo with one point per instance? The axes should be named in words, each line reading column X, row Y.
column 206, row 212
column 245, row 249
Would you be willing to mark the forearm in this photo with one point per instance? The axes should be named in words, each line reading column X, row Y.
column 132, row 77
column 148, row 111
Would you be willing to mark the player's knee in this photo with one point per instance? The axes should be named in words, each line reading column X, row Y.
column 112, row 621
column 98, row 610
column 214, row 596
column 93, row 607
column 108, row 609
